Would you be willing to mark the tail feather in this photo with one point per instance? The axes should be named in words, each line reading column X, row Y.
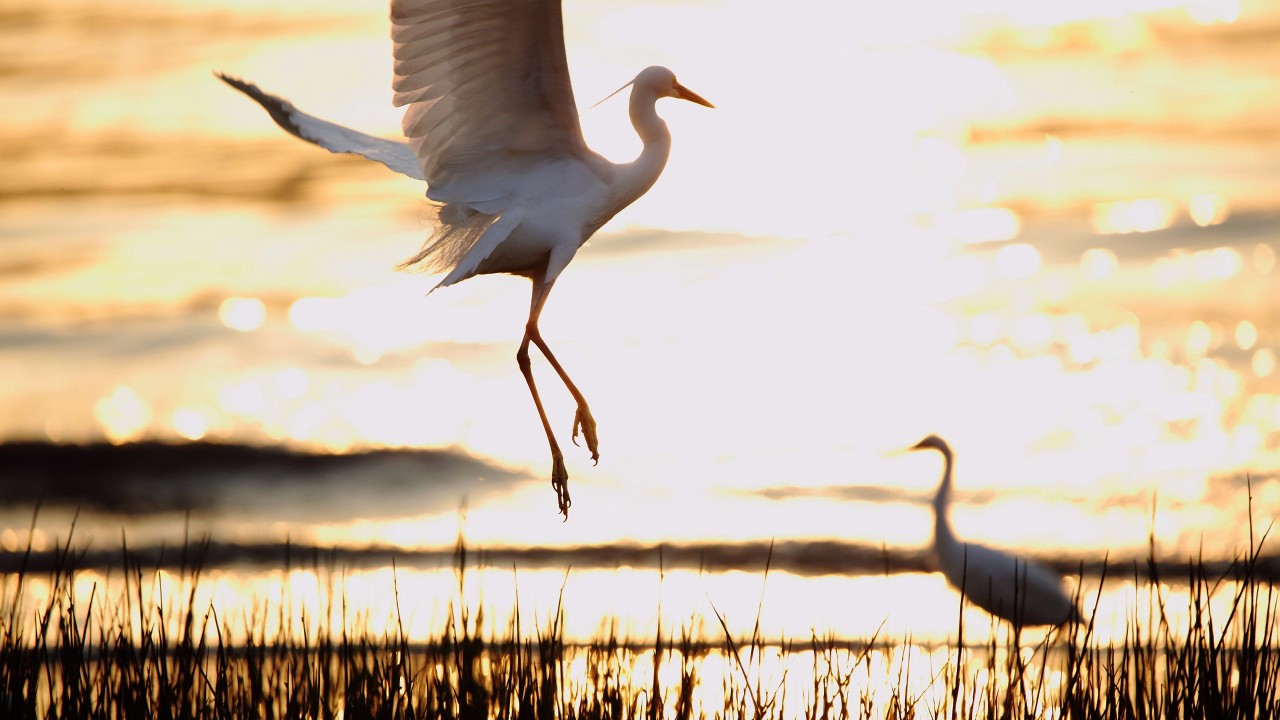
column 482, row 247
column 457, row 229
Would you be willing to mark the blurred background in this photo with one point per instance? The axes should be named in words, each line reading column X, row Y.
column 1046, row 232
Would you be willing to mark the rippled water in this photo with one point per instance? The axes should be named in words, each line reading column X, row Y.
column 1048, row 236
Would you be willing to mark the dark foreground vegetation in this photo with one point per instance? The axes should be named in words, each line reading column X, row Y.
column 130, row 658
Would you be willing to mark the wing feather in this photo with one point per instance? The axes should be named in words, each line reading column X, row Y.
column 485, row 81
column 395, row 154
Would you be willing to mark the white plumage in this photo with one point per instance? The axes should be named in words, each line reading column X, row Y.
column 1013, row 588
column 492, row 128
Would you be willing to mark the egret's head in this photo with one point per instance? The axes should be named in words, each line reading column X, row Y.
column 662, row 83
column 656, row 81
column 933, row 442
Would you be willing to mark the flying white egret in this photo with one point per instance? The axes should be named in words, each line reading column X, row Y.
column 493, row 129
column 1018, row 590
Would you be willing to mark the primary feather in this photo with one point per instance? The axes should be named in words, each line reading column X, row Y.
column 395, row 154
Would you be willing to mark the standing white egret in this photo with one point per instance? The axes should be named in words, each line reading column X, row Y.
column 1018, row 590
column 493, row 129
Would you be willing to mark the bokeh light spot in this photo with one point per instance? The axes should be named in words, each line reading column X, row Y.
column 189, row 423
column 1208, row 209
column 123, row 415
column 1133, row 216
column 1264, row 362
column 1098, row 263
column 1199, row 336
column 1246, row 335
column 243, row 314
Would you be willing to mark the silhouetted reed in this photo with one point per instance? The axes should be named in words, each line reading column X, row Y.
column 135, row 657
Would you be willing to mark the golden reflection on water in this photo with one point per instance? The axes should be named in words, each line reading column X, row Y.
column 1121, row 393
column 911, row 650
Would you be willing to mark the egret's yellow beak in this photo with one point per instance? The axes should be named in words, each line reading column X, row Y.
column 685, row 93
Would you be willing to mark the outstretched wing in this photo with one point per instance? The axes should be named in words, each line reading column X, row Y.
column 488, row 93
column 395, row 154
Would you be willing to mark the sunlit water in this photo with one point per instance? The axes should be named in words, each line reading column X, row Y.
column 1049, row 237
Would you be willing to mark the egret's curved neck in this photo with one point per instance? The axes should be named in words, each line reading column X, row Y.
column 638, row 176
column 941, row 527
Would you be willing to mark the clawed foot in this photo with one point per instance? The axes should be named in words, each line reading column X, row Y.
column 584, row 420
column 560, row 481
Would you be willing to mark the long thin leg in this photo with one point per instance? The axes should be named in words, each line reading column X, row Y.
column 559, row 475
column 557, row 260
column 582, row 419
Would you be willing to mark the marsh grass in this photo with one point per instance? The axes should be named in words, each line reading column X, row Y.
column 134, row 657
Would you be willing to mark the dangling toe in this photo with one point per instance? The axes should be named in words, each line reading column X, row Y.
column 584, row 420
column 560, row 482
